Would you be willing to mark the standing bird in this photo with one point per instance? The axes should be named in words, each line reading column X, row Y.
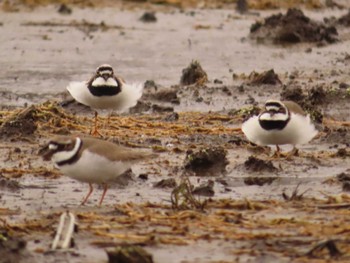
column 91, row 160
column 105, row 91
column 281, row 122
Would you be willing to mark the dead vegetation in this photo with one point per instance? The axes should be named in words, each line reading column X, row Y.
column 12, row 6
column 191, row 215
column 243, row 222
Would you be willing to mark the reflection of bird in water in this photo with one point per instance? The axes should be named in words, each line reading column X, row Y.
column 105, row 91
column 281, row 122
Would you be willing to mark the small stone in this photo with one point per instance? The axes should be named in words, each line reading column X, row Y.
column 128, row 254
column 206, row 189
column 343, row 85
column 143, row 177
column 64, row 10
column 148, row 17
column 166, row 183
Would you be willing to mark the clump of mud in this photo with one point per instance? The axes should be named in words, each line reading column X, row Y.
column 344, row 178
column 254, row 164
column 64, row 10
column 253, row 180
column 310, row 102
column 338, row 135
column 293, row 93
column 8, row 184
column 148, row 17
column 161, row 108
column 206, row 189
column 268, row 77
column 141, row 107
column 166, row 183
column 166, row 95
column 21, row 124
column 293, row 27
column 207, row 161
column 129, row 253
column 14, row 249
column 193, row 74
column 344, row 20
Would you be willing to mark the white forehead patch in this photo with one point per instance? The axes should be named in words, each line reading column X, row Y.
column 53, row 146
column 107, row 71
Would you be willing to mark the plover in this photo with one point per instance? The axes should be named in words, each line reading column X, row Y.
column 91, row 160
column 281, row 122
column 105, row 91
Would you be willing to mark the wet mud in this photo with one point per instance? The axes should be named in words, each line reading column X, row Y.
column 293, row 27
column 210, row 195
column 206, row 161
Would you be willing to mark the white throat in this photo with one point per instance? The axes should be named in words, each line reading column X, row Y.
column 99, row 81
column 63, row 156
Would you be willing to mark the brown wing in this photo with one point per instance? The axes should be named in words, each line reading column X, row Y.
column 294, row 107
column 115, row 152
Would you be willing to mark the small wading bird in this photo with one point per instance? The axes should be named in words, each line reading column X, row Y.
column 92, row 160
column 281, row 122
column 105, row 91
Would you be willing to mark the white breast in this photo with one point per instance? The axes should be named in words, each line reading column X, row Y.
column 299, row 130
column 93, row 168
column 124, row 100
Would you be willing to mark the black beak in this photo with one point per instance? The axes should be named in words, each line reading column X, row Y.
column 272, row 112
column 105, row 76
column 46, row 153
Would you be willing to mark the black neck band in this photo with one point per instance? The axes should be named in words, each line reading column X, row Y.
column 273, row 125
column 73, row 159
column 104, row 90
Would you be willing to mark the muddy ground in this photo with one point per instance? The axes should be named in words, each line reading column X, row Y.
column 252, row 208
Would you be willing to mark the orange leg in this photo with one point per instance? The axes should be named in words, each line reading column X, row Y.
column 278, row 154
column 294, row 152
column 88, row 195
column 105, row 188
column 94, row 130
column 107, row 121
column 278, row 151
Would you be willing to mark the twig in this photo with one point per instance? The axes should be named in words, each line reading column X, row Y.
column 64, row 232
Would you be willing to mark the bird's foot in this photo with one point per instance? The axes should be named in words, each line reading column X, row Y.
column 288, row 155
column 94, row 132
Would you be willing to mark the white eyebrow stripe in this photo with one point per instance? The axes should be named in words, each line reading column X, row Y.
column 105, row 72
